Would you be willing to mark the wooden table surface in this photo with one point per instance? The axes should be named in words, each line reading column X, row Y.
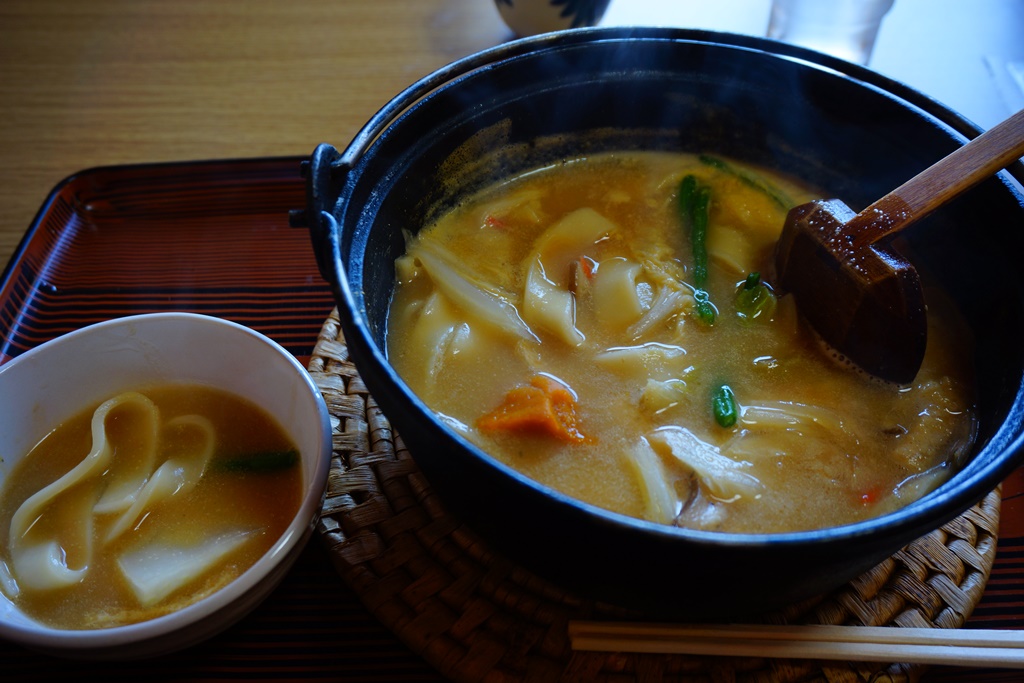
column 97, row 83
column 112, row 82
column 85, row 84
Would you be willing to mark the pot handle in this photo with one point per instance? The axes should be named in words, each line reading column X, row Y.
column 325, row 172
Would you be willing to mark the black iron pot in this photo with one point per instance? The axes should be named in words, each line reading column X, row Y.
column 837, row 125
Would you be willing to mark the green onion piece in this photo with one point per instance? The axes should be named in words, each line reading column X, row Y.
column 694, row 206
column 687, row 190
column 723, row 403
column 706, row 311
column 750, row 180
column 259, row 463
column 754, row 298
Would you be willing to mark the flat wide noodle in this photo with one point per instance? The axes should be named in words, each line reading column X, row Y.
column 723, row 477
column 126, row 480
column 156, row 570
column 548, row 307
column 547, row 302
column 616, row 301
column 439, row 329
column 42, row 563
column 175, row 475
column 661, row 503
column 467, row 294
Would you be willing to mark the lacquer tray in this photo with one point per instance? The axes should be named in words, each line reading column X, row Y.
column 213, row 237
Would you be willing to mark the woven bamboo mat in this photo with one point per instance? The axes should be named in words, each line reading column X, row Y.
column 476, row 616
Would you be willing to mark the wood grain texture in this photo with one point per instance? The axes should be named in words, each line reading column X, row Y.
column 939, row 184
column 85, row 84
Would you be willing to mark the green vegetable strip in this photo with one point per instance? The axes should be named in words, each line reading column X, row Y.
column 754, row 298
column 694, row 205
column 723, row 404
column 750, row 180
column 262, row 462
column 706, row 311
column 694, row 200
column 699, row 236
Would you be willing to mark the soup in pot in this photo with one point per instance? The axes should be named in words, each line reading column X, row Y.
column 607, row 326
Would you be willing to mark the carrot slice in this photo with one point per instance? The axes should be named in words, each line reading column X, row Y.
column 545, row 406
column 492, row 221
column 870, row 496
column 587, row 266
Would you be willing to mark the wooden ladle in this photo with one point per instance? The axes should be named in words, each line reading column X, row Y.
column 862, row 297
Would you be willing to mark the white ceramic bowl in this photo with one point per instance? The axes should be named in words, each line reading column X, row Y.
column 58, row 379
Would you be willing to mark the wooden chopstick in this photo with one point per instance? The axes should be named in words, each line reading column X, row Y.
column 958, row 647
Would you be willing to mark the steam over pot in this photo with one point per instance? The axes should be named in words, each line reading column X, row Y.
column 834, row 124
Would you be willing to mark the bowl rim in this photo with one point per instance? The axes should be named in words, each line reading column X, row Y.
column 519, row 47
column 277, row 557
column 939, row 506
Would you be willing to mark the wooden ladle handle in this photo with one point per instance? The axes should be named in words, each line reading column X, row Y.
column 980, row 158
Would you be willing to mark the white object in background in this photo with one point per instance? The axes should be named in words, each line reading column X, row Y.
column 1009, row 79
column 530, row 17
column 841, row 28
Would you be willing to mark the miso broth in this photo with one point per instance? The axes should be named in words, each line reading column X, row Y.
column 564, row 321
column 143, row 505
